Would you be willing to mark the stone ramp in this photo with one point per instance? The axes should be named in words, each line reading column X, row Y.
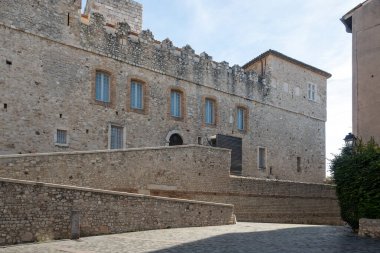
column 35, row 211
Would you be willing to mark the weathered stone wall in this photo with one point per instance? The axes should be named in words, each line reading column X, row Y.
column 33, row 211
column 49, row 86
column 191, row 172
column 369, row 227
column 55, row 19
column 116, row 11
column 178, row 168
column 365, row 71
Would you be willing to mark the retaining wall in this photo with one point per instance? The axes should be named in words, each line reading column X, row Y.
column 32, row 211
column 187, row 172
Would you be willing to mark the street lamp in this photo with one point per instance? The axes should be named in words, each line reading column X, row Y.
column 350, row 140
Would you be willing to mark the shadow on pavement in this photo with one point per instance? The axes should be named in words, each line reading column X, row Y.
column 303, row 240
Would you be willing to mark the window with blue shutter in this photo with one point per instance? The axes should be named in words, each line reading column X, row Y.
column 240, row 118
column 102, row 87
column 209, row 111
column 116, row 137
column 136, row 95
column 175, row 104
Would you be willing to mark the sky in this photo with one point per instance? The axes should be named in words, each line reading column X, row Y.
column 237, row 31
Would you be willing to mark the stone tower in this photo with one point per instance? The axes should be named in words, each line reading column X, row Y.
column 115, row 11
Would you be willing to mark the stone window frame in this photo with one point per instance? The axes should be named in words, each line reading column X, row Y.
column 216, row 113
column 124, row 141
column 145, row 98
column 246, row 118
column 58, row 144
column 183, row 103
column 265, row 157
column 112, row 88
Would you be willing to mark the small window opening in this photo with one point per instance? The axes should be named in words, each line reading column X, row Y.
column 117, row 113
column 8, row 62
column 199, row 140
column 5, row 106
column 68, row 19
column 87, row 131
column 298, row 164
column 60, row 115
column 262, row 158
column 61, row 136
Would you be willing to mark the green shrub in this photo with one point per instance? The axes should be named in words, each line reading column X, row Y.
column 356, row 172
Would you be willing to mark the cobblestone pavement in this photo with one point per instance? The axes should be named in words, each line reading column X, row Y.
column 242, row 237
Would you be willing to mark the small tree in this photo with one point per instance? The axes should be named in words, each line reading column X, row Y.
column 356, row 172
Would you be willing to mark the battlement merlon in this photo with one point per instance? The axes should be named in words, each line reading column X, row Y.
column 117, row 11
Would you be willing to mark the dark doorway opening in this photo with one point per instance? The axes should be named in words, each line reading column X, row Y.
column 175, row 140
column 235, row 144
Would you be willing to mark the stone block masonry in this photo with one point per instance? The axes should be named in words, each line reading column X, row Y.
column 114, row 12
column 186, row 172
column 52, row 54
column 32, row 211
column 369, row 227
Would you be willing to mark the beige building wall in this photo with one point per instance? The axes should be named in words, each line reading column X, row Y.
column 48, row 79
column 364, row 23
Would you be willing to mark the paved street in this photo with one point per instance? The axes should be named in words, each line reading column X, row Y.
column 242, row 237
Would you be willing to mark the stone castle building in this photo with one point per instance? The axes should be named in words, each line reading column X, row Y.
column 95, row 81
column 363, row 22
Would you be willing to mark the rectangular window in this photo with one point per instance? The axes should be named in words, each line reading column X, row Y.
column 241, row 118
column 298, row 164
column 209, row 111
column 102, row 87
column 61, row 136
column 262, row 156
column 136, row 95
column 311, row 92
column 175, row 104
column 116, row 137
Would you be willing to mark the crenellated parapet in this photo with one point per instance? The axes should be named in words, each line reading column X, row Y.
column 141, row 49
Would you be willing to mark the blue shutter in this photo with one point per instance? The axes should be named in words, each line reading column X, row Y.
column 139, row 96
column 240, row 118
column 172, row 103
column 175, row 104
column 209, row 112
column 178, row 96
column 106, row 88
column 98, row 86
column 133, row 95
column 136, row 95
column 116, row 137
column 102, row 87
column 112, row 137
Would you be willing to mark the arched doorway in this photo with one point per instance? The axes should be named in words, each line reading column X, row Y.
column 175, row 140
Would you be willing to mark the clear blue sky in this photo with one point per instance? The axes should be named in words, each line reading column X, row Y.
column 238, row 30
